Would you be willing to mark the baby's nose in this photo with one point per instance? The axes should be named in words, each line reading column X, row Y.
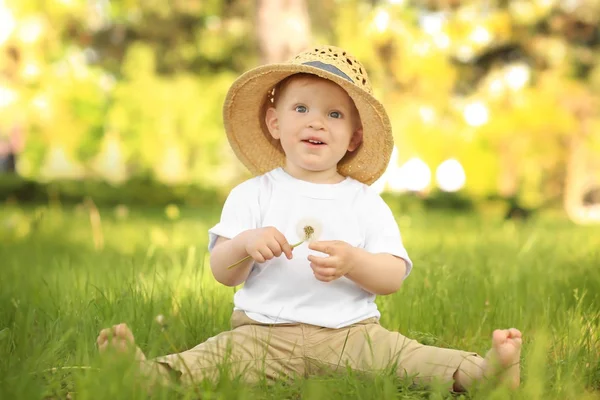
column 316, row 123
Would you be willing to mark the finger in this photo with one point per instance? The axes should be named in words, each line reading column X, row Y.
column 275, row 247
column 283, row 243
column 326, row 247
column 318, row 275
column 257, row 256
column 326, row 262
column 287, row 249
column 329, row 272
column 323, row 271
column 266, row 253
column 324, row 278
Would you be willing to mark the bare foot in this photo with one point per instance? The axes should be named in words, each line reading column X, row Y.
column 503, row 359
column 119, row 338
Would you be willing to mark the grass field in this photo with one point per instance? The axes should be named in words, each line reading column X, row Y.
column 63, row 278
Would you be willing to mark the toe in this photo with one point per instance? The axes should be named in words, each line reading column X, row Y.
column 123, row 345
column 102, row 337
column 118, row 344
column 102, row 347
column 500, row 335
column 518, row 342
column 515, row 333
column 123, row 331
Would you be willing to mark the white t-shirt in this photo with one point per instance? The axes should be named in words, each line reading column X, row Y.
column 282, row 290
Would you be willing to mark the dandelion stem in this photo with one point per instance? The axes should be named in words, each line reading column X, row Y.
column 235, row 264
column 308, row 232
column 248, row 257
column 298, row 244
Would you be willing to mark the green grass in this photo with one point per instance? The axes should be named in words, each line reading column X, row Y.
column 471, row 275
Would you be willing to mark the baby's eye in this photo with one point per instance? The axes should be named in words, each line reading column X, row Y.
column 300, row 109
column 335, row 114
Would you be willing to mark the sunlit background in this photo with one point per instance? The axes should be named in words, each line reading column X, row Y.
column 488, row 99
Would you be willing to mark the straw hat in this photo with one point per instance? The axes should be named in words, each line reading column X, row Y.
column 250, row 95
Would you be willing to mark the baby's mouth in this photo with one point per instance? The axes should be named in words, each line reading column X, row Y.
column 313, row 142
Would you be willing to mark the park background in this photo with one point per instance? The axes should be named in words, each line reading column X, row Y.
column 114, row 163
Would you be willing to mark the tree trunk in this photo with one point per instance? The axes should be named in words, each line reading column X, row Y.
column 283, row 29
column 576, row 180
column 508, row 179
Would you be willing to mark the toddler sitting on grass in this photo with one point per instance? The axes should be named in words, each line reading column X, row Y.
column 315, row 138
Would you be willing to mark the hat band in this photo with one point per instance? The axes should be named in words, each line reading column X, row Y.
column 329, row 68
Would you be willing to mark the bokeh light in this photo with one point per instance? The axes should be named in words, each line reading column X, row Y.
column 41, row 102
column 432, row 23
column 427, row 114
column 476, row 114
column 31, row 70
column 517, row 76
column 382, row 20
column 31, row 30
column 450, row 175
column 396, row 181
column 442, row 41
column 480, row 35
column 465, row 53
column 7, row 22
column 416, row 175
column 7, row 96
column 380, row 184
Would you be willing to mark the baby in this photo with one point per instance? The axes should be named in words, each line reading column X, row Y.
column 315, row 138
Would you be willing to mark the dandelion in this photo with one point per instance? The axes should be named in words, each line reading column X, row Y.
column 160, row 320
column 308, row 230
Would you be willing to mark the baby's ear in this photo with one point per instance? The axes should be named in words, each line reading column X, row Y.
column 272, row 122
column 356, row 139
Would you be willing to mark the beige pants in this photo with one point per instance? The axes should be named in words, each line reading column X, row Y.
column 254, row 350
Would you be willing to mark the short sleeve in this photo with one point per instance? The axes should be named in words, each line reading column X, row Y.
column 241, row 212
column 382, row 232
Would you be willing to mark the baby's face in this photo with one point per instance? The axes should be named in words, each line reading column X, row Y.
column 317, row 123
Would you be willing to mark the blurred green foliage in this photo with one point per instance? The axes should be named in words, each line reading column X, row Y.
column 121, row 89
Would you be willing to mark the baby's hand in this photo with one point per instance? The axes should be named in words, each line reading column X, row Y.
column 338, row 264
column 265, row 243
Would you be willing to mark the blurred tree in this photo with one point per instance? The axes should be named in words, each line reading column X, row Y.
column 140, row 84
column 496, row 77
column 11, row 124
column 283, row 29
column 124, row 88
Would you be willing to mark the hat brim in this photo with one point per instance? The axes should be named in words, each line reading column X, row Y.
column 243, row 117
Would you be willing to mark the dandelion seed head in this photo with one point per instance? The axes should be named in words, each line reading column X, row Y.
column 309, row 229
column 308, row 232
